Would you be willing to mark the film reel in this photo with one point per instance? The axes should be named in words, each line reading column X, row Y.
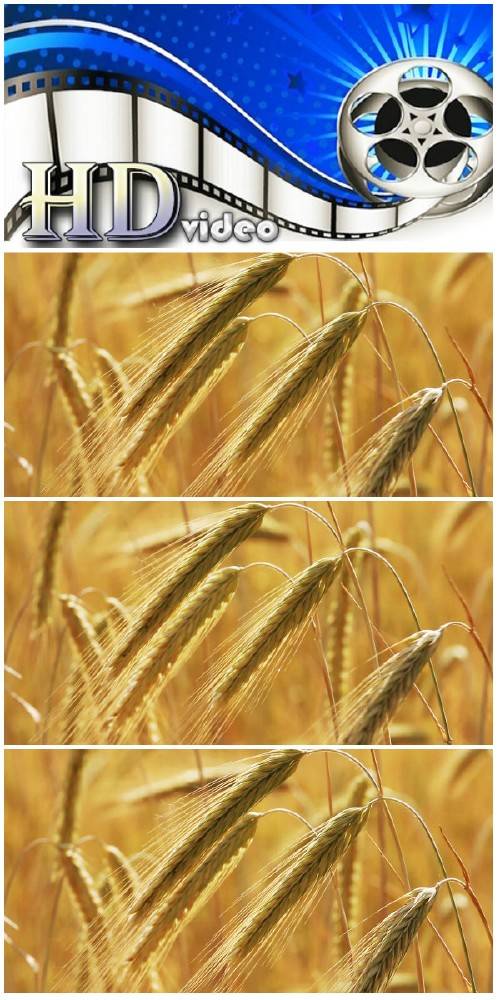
column 419, row 129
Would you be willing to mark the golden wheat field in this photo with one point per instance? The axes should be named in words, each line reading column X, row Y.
column 265, row 375
column 350, row 622
column 280, row 870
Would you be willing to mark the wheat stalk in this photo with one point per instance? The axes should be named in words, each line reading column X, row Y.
column 317, row 859
column 217, row 311
column 102, row 628
column 387, row 688
column 119, row 616
column 454, row 268
column 50, row 556
column 113, row 376
column 164, row 656
column 193, row 892
column 289, row 612
column 122, row 873
column 179, row 401
column 248, row 788
column 389, row 942
column 204, row 555
column 375, row 471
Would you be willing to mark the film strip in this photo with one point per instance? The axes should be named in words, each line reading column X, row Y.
column 62, row 116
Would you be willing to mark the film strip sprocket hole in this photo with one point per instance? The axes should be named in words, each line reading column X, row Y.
column 63, row 116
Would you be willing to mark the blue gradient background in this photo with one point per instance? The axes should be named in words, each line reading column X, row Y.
column 288, row 66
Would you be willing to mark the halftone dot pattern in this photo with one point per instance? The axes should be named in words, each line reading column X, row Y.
column 288, row 66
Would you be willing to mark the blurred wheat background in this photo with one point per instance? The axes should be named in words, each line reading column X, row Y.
column 121, row 302
column 138, row 801
column 123, row 551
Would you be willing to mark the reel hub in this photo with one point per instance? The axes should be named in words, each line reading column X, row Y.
column 419, row 128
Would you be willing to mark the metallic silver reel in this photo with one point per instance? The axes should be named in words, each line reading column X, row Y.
column 419, row 128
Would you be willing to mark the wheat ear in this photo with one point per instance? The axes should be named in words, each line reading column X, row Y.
column 247, row 789
column 349, row 870
column 73, row 704
column 353, row 299
column 289, row 611
column 193, row 892
column 70, row 266
column 49, row 564
column 324, row 850
column 73, row 389
column 164, row 291
column 83, row 974
column 151, row 730
column 192, row 568
column 82, row 887
column 313, row 365
column 173, row 645
column 390, row 941
column 180, row 783
column 343, row 392
column 81, row 631
column 340, row 619
column 387, row 688
column 71, row 797
column 215, row 314
column 184, row 396
column 90, row 660
column 161, row 541
column 124, row 880
column 89, row 905
column 386, row 453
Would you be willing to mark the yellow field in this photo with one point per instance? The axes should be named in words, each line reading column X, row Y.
column 235, row 626
column 135, row 306
column 128, row 551
column 136, row 801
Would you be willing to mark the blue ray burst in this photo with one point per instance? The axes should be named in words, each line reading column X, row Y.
column 288, row 66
